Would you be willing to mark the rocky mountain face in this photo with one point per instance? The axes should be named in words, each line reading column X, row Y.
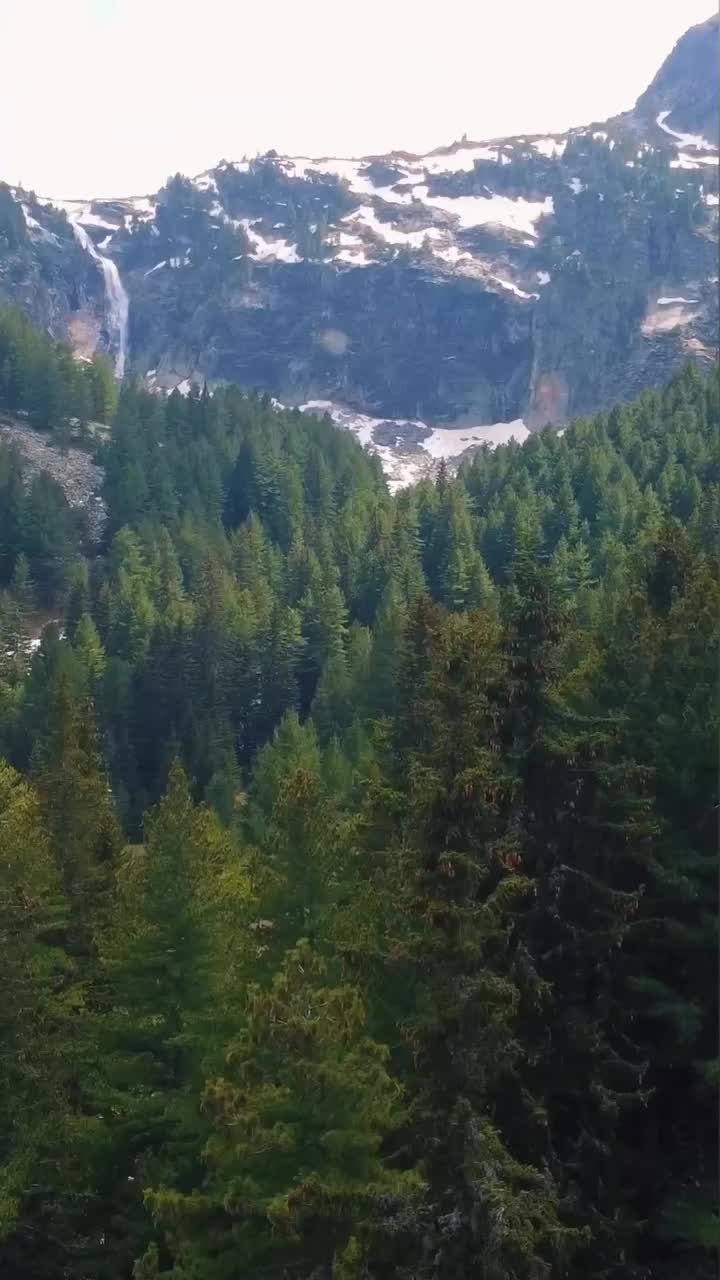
column 518, row 281
column 44, row 270
column 686, row 84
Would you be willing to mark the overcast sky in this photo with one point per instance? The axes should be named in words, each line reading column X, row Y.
column 108, row 97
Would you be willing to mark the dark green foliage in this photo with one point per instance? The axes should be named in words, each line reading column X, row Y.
column 407, row 970
column 39, row 534
column 40, row 377
column 607, row 481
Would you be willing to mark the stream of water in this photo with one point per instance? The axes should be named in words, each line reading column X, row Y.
column 115, row 295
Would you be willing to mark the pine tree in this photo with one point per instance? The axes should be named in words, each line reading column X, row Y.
column 387, row 653
column 76, row 804
column 331, row 708
column 281, row 650
column 586, row 827
column 324, row 624
column 88, row 646
column 294, row 1161
column 666, row 680
column 452, row 880
column 173, row 973
column 37, row 1007
column 22, row 586
column 103, row 389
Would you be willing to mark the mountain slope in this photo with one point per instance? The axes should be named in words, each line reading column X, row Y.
column 685, row 87
column 530, row 278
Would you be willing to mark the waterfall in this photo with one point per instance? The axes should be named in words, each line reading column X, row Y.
column 116, row 297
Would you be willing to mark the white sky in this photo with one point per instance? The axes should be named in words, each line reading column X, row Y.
column 108, row 97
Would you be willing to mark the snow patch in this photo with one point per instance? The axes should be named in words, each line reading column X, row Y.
column 448, row 442
column 348, row 171
column 403, row 469
column 92, row 220
column 683, row 139
column 512, row 288
column 400, row 469
column 205, row 182
column 669, row 315
column 361, row 424
column 353, row 258
column 460, row 161
column 452, row 254
column 462, row 261
column 477, row 211
column 549, row 147
column 74, row 209
column 35, row 228
column 456, row 160
column 682, row 161
column 143, row 210
column 269, row 250
column 391, row 235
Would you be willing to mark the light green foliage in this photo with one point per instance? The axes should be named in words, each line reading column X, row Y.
column 88, row 646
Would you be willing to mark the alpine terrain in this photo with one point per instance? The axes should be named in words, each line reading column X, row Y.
column 429, row 303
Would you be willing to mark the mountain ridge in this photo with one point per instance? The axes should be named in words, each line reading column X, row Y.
column 687, row 80
column 533, row 277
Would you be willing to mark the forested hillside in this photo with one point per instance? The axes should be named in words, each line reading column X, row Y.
column 358, row 868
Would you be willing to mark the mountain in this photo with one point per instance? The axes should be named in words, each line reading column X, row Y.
column 518, row 281
column 685, row 87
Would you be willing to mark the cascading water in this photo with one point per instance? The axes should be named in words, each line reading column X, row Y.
column 117, row 299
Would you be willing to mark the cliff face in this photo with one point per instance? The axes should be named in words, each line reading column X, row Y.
column 686, row 84
column 525, row 277
column 397, row 340
column 44, row 270
column 555, row 304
